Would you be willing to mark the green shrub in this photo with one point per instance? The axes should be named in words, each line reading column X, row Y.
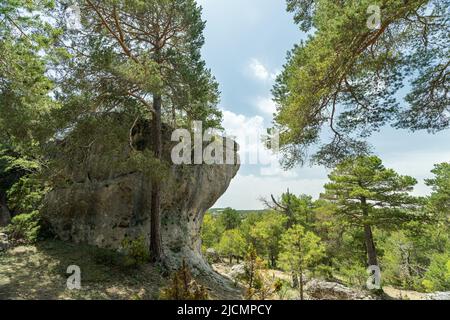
column 184, row 287
column 108, row 257
column 26, row 228
column 136, row 251
column 437, row 277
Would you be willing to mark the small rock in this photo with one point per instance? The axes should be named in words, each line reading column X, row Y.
column 323, row 290
column 237, row 272
column 438, row 296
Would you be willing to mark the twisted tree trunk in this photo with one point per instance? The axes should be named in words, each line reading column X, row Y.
column 368, row 236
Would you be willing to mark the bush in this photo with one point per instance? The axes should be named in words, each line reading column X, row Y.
column 437, row 277
column 25, row 228
column 136, row 251
column 184, row 287
column 108, row 257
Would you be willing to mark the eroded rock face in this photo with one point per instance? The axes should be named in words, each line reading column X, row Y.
column 104, row 213
column 105, row 209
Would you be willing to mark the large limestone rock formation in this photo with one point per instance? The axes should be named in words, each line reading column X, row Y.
column 104, row 208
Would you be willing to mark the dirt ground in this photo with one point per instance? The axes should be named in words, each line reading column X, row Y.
column 399, row 294
column 39, row 272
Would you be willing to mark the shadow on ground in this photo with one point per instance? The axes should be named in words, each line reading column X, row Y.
column 39, row 272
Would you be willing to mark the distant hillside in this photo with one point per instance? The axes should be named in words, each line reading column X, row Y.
column 242, row 212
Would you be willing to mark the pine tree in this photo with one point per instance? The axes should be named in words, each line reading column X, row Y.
column 141, row 59
column 25, row 103
column 368, row 195
column 440, row 184
column 300, row 251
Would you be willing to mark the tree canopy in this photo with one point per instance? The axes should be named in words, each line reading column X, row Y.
column 346, row 80
column 369, row 195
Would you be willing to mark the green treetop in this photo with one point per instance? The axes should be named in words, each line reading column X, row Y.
column 342, row 82
column 300, row 250
column 369, row 195
column 440, row 184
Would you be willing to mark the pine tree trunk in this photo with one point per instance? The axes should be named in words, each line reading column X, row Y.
column 273, row 261
column 155, row 218
column 370, row 246
column 294, row 280
column 368, row 236
column 301, row 285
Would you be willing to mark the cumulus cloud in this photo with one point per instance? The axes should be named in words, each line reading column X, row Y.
column 266, row 105
column 260, row 71
column 249, row 133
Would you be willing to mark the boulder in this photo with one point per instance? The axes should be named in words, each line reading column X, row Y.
column 323, row 290
column 237, row 272
column 438, row 296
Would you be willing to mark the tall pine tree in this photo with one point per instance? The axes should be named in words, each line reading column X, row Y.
column 141, row 59
column 370, row 196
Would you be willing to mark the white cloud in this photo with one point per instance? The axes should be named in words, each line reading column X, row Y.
column 246, row 189
column 266, row 105
column 248, row 133
column 260, row 71
column 418, row 165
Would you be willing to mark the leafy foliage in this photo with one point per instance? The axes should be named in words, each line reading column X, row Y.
column 411, row 234
column 267, row 233
column 231, row 244
column 369, row 195
column 301, row 251
column 184, row 287
column 136, row 251
column 343, row 81
column 230, row 219
column 25, row 228
column 437, row 277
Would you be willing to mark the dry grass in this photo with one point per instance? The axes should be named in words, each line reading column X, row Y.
column 39, row 272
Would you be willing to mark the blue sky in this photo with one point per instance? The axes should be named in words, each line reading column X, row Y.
column 246, row 46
